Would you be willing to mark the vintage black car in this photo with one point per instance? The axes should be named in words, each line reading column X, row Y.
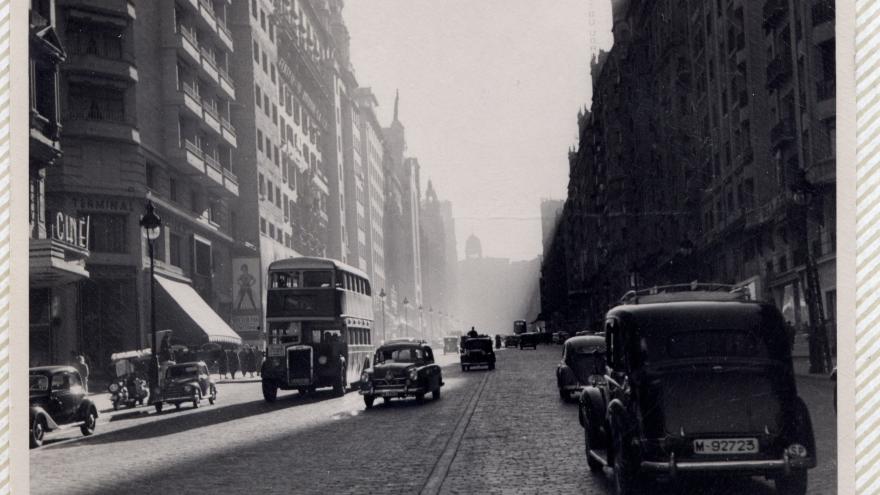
column 697, row 383
column 58, row 399
column 511, row 340
column 187, row 382
column 477, row 351
column 401, row 369
column 529, row 339
column 583, row 363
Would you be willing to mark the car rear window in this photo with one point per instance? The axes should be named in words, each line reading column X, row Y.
column 398, row 355
column 39, row 383
column 477, row 344
column 715, row 343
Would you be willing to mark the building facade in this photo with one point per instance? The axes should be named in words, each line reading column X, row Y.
column 147, row 120
column 707, row 153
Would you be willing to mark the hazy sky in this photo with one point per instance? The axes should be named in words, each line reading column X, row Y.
column 489, row 94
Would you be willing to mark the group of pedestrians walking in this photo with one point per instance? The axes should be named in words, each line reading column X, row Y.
column 232, row 361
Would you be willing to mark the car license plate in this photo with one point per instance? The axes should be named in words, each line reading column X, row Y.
column 299, row 381
column 726, row 446
column 386, row 393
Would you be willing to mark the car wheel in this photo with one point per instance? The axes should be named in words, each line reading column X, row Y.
column 177, row 405
column 435, row 394
column 563, row 395
column 38, row 432
column 302, row 391
column 626, row 480
column 368, row 401
column 793, row 484
column 213, row 397
column 197, row 399
column 158, row 407
column 386, row 400
column 462, row 368
column 88, row 426
column 491, row 366
column 115, row 405
column 270, row 391
column 594, row 465
column 420, row 398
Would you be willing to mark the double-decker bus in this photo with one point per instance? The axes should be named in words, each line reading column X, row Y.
column 319, row 319
column 520, row 327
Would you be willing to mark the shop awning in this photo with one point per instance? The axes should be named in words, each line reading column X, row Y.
column 184, row 311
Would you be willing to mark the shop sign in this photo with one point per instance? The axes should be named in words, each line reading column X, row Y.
column 103, row 204
column 71, row 230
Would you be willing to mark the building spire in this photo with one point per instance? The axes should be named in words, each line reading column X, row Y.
column 396, row 102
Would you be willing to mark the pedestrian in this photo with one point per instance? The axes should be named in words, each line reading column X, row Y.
column 251, row 361
column 222, row 363
column 472, row 333
column 83, row 369
column 791, row 332
column 234, row 362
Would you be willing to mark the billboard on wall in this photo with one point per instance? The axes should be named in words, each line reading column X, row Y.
column 247, row 311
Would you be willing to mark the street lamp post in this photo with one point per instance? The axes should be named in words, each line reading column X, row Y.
column 421, row 322
column 382, row 295
column 151, row 224
column 406, row 315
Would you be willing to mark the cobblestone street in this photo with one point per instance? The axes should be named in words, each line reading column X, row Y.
column 504, row 431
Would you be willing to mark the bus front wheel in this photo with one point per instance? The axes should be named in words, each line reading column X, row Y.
column 270, row 390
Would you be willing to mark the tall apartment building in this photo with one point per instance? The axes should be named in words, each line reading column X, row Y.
column 58, row 237
column 372, row 156
column 285, row 187
column 731, row 178
column 148, row 120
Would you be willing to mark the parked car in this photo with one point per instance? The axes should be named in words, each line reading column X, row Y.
column 58, row 400
column 401, row 369
column 529, row 339
column 477, row 351
column 187, row 382
column 511, row 340
column 583, row 363
column 698, row 382
column 560, row 337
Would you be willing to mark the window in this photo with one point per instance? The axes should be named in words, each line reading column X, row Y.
column 274, row 114
column 256, row 52
column 259, row 140
column 254, row 8
column 277, row 156
column 202, row 264
column 265, row 63
column 174, row 249
column 263, row 19
column 268, row 148
column 108, row 233
column 262, row 225
column 272, row 32
column 278, row 196
column 272, row 72
column 262, row 185
column 259, row 95
column 151, row 176
column 271, row 192
column 271, row 230
column 266, row 107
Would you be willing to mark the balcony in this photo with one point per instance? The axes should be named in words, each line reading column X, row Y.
column 118, row 8
column 191, row 99
column 195, row 158
column 224, row 35
column 779, row 71
column 101, row 124
column 211, row 115
column 206, row 9
column 188, row 43
column 228, row 132
column 213, row 170
column 209, row 64
column 774, row 12
column 822, row 172
column 121, row 68
column 226, row 83
column 782, row 134
column 230, row 181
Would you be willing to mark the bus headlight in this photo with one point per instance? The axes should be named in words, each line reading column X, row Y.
column 322, row 360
